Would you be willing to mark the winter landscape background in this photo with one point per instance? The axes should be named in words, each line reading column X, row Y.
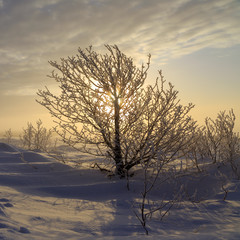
column 49, row 190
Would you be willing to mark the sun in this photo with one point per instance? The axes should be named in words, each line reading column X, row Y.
column 105, row 97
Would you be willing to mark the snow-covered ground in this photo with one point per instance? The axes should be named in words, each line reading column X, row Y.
column 41, row 198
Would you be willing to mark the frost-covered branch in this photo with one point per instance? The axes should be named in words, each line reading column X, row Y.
column 104, row 101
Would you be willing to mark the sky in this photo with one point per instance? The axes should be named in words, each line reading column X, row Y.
column 196, row 43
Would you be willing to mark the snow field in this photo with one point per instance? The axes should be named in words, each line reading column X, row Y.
column 41, row 198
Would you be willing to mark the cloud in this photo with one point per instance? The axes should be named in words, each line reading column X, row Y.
column 35, row 31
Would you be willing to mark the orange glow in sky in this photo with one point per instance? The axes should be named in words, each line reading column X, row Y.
column 195, row 43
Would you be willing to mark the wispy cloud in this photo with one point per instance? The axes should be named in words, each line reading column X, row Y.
column 35, row 31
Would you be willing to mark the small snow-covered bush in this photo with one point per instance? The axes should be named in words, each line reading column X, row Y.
column 192, row 153
column 155, row 174
column 8, row 136
column 36, row 138
column 219, row 142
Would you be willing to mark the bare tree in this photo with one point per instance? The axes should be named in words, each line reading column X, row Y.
column 155, row 174
column 27, row 137
column 195, row 151
column 212, row 139
column 8, row 135
column 103, row 101
column 230, row 144
column 36, row 138
column 219, row 142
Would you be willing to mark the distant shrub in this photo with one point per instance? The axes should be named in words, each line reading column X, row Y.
column 8, row 136
column 218, row 142
column 36, row 138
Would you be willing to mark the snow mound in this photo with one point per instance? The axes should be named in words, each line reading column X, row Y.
column 22, row 157
column 7, row 148
column 34, row 157
column 98, row 192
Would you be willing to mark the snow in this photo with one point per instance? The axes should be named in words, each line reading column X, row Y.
column 42, row 198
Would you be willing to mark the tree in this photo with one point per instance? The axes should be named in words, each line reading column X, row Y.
column 103, row 101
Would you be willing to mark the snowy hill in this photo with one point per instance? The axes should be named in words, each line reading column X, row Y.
column 41, row 198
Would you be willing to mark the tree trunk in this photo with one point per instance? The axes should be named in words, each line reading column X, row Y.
column 117, row 144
